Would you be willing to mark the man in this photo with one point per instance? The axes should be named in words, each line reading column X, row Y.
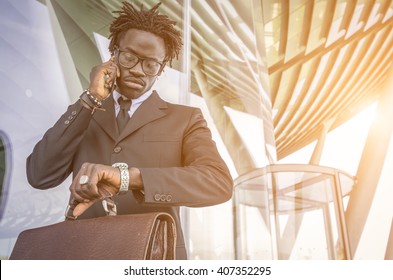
column 164, row 156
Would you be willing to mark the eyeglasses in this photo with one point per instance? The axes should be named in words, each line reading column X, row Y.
column 150, row 66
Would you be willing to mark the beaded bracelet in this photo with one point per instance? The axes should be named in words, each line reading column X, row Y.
column 91, row 101
column 96, row 101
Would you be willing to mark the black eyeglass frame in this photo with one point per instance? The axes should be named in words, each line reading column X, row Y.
column 140, row 60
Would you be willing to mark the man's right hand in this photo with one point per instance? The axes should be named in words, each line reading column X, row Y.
column 93, row 182
column 102, row 78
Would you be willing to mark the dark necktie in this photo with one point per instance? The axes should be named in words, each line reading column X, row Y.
column 123, row 117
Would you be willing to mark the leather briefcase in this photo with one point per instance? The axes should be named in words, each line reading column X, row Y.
column 123, row 237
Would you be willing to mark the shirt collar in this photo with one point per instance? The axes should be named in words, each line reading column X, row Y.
column 136, row 101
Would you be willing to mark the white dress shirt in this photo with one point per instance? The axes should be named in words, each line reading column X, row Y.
column 135, row 102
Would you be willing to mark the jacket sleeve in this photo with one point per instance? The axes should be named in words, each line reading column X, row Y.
column 203, row 180
column 50, row 163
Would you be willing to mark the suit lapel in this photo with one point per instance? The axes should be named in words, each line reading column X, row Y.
column 107, row 119
column 151, row 109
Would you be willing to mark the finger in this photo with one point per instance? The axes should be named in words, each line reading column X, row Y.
column 75, row 196
column 84, row 192
column 108, row 81
column 110, row 77
column 78, row 198
column 114, row 68
column 75, row 184
column 90, row 189
column 104, row 192
column 82, row 207
column 109, row 180
column 79, row 184
column 107, row 190
column 83, row 187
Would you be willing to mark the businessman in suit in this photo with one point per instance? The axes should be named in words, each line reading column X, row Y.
column 163, row 158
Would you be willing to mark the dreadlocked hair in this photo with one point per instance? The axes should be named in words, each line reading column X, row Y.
column 146, row 20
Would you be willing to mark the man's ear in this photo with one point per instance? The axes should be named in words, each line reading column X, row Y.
column 115, row 56
column 114, row 52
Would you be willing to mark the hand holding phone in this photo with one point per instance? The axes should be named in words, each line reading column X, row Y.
column 110, row 82
column 103, row 79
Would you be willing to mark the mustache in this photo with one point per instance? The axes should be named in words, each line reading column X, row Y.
column 134, row 80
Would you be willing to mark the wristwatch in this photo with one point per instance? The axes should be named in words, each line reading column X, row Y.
column 124, row 176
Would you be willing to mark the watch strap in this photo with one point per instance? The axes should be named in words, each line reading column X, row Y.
column 124, row 176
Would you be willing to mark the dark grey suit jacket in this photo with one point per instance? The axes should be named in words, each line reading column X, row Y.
column 171, row 145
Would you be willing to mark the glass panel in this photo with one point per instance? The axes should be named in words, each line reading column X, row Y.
column 295, row 4
column 228, row 82
column 347, row 183
column 306, row 221
column 253, row 229
column 271, row 37
column 271, row 9
column 336, row 32
column 227, row 78
column 272, row 54
column 315, row 40
column 295, row 28
column 297, row 241
column 272, row 31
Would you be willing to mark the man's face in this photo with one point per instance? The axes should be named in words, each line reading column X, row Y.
column 133, row 82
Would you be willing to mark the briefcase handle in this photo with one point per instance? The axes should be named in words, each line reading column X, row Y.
column 108, row 204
